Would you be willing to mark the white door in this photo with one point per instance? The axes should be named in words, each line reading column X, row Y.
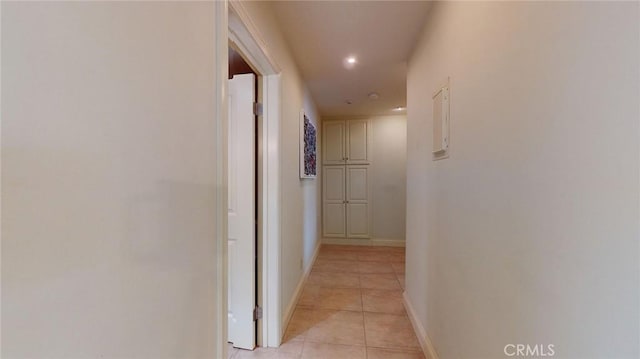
column 241, row 253
column 357, row 201
column 334, row 201
column 333, row 135
column 357, row 141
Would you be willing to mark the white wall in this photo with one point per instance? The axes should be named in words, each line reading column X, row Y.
column 389, row 176
column 108, row 185
column 528, row 233
column 312, row 190
column 299, row 198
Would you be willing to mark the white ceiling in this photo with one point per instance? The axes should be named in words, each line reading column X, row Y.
column 380, row 34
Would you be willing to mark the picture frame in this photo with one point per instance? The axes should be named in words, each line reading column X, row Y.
column 308, row 147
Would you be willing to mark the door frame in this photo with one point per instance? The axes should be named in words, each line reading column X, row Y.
column 233, row 24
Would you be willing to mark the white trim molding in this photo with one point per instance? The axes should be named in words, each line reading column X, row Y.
column 271, row 287
column 221, row 73
column 246, row 38
column 425, row 342
column 298, row 292
column 244, row 34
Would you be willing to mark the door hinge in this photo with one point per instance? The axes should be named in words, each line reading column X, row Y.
column 257, row 108
column 257, row 313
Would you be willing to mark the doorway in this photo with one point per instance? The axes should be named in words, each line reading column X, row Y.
column 233, row 26
column 243, row 192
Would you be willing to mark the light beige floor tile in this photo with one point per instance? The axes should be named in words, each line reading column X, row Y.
column 327, row 265
column 316, row 297
column 380, row 281
column 401, row 279
column 375, row 267
column 397, row 250
column 340, row 299
column 383, row 301
column 340, row 247
column 397, row 257
column 398, row 268
column 333, row 351
column 231, row 351
column 389, row 331
column 374, row 257
column 386, row 249
column 338, row 255
column 334, row 280
column 378, row 353
column 337, row 327
column 302, row 320
column 267, row 353
column 309, row 296
column 294, row 336
column 291, row 346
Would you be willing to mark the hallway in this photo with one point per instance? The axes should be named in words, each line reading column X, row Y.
column 495, row 143
column 351, row 307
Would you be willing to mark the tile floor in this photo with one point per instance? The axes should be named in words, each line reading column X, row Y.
column 350, row 307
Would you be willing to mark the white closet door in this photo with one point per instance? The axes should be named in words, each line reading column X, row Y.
column 333, row 211
column 241, row 230
column 358, row 206
column 358, row 134
column 333, row 138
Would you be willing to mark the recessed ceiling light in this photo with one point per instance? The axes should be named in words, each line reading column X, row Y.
column 399, row 108
column 348, row 102
column 350, row 62
column 373, row 96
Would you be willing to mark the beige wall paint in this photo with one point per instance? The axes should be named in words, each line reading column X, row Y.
column 528, row 233
column 108, row 186
column 389, row 176
column 299, row 198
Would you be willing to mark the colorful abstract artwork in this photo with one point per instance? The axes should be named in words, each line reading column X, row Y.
column 308, row 149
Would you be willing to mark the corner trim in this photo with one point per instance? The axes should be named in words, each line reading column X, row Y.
column 425, row 342
column 244, row 33
column 218, row 313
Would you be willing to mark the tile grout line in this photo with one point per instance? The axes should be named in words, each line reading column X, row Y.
column 364, row 326
column 359, row 276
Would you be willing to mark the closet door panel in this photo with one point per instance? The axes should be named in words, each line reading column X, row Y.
column 334, row 220
column 357, row 144
column 358, row 220
column 334, row 201
column 358, row 201
column 333, row 140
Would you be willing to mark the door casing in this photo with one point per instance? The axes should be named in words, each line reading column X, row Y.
column 233, row 24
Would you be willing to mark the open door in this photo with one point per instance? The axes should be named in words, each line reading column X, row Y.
column 241, row 252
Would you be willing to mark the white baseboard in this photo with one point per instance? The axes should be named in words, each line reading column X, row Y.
column 427, row 347
column 388, row 242
column 296, row 294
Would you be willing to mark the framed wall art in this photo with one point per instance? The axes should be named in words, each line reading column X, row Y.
column 308, row 147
